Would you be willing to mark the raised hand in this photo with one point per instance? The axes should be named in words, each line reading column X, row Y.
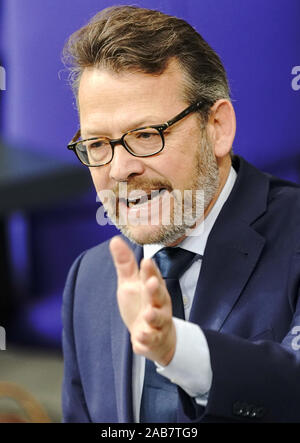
column 145, row 304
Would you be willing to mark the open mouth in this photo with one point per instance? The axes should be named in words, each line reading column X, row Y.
column 141, row 199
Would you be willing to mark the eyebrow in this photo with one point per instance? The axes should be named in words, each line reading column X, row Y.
column 90, row 133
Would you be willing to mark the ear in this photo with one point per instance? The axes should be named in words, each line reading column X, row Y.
column 221, row 127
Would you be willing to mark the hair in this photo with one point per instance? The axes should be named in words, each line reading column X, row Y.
column 129, row 38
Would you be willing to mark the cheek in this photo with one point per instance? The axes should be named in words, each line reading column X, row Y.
column 100, row 179
column 178, row 165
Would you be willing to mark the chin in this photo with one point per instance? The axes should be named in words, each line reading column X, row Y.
column 142, row 235
column 145, row 235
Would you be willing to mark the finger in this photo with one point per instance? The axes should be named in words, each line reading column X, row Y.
column 155, row 317
column 148, row 269
column 124, row 259
column 155, row 293
column 148, row 337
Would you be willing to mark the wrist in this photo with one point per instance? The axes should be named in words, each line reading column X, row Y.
column 170, row 351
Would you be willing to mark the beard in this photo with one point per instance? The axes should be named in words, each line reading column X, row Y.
column 202, row 186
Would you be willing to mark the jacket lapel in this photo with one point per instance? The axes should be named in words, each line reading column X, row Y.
column 233, row 249
column 225, row 270
column 122, row 356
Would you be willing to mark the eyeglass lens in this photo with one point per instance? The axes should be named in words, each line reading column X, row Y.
column 141, row 142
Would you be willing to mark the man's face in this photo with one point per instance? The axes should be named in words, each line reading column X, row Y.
column 111, row 104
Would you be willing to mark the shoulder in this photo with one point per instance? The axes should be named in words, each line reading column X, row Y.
column 284, row 191
column 268, row 203
column 91, row 285
column 265, row 187
column 283, row 207
column 97, row 263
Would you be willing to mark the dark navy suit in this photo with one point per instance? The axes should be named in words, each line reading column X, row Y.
column 246, row 302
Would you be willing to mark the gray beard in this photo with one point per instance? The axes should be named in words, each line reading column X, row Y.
column 206, row 179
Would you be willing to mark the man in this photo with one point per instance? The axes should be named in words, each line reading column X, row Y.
column 141, row 344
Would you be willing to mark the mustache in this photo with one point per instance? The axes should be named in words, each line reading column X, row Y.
column 145, row 185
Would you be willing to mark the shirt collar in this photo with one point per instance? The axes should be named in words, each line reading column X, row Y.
column 197, row 241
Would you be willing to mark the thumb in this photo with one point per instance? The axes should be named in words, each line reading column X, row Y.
column 124, row 259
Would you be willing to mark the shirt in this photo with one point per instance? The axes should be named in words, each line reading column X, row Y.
column 190, row 367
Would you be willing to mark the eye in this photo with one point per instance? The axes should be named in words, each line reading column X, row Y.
column 144, row 141
column 96, row 144
column 145, row 135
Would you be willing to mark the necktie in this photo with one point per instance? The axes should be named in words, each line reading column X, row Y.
column 160, row 395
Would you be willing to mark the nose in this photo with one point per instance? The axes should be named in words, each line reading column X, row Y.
column 125, row 165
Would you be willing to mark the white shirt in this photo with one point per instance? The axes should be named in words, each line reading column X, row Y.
column 190, row 367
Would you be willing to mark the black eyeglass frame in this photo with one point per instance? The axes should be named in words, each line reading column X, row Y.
column 113, row 142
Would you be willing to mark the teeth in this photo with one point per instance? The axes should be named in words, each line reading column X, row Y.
column 139, row 200
column 134, row 200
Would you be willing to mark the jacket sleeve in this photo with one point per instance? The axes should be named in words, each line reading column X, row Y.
column 252, row 381
column 74, row 407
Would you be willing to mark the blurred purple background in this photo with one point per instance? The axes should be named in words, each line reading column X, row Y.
column 258, row 43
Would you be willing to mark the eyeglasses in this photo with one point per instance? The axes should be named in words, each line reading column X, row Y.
column 140, row 142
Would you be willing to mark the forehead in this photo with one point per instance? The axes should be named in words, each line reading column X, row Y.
column 105, row 97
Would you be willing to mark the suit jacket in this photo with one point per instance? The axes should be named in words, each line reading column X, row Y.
column 246, row 302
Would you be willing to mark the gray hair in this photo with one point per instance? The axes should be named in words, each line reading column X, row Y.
column 129, row 38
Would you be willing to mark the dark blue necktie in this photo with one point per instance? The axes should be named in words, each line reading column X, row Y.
column 160, row 395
